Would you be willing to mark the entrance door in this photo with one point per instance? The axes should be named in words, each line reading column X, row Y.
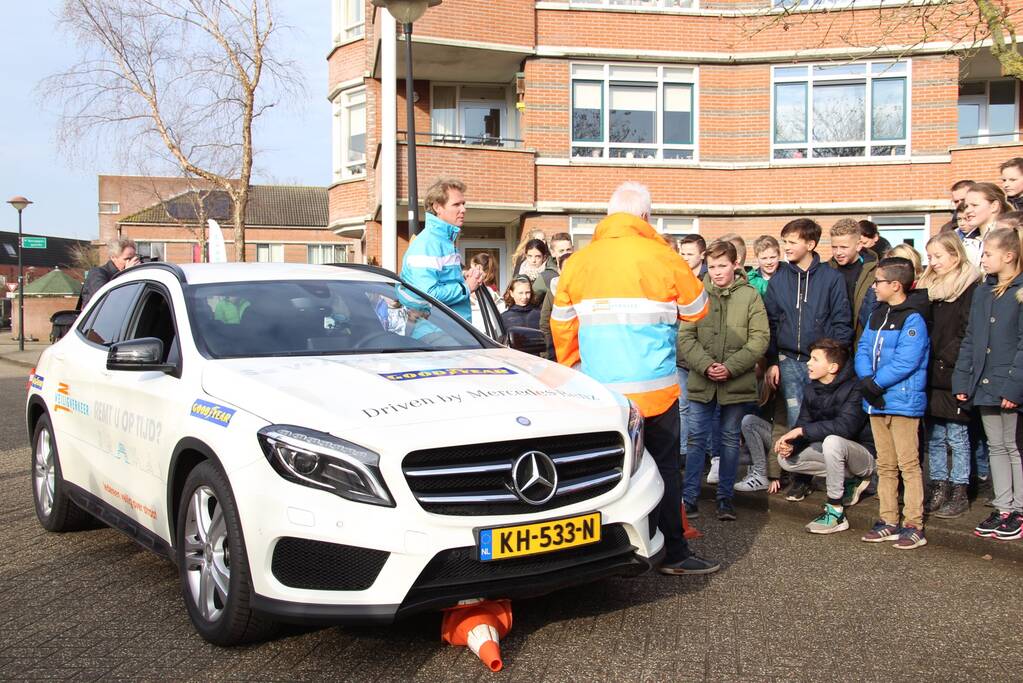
column 495, row 248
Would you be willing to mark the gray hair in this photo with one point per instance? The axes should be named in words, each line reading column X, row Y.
column 117, row 245
column 630, row 197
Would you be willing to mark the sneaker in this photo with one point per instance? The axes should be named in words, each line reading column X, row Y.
column 752, row 482
column 712, row 476
column 726, row 513
column 881, row 532
column 831, row 521
column 799, row 489
column 692, row 512
column 987, row 528
column 910, row 537
column 854, row 489
column 690, row 565
column 1010, row 529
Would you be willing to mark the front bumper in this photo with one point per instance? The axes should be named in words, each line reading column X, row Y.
column 430, row 560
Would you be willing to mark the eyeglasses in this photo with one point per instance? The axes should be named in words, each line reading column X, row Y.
column 877, row 282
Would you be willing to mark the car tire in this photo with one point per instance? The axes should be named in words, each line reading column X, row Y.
column 215, row 579
column 54, row 509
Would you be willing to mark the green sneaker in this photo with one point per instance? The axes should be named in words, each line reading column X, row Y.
column 831, row 521
column 854, row 488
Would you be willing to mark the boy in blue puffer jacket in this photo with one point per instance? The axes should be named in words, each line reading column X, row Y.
column 891, row 361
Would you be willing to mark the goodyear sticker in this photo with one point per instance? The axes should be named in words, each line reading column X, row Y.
column 37, row 382
column 444, row 372
column 211, row 412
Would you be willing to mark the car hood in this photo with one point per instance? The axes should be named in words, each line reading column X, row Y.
column 346, row 395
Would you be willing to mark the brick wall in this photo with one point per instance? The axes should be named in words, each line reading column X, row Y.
column 37, row 315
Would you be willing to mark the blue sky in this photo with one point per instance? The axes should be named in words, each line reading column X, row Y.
column 295, row 142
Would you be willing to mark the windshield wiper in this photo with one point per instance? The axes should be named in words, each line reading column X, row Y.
column 411, row 349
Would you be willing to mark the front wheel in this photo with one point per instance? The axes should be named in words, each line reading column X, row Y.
column 214, row 569
column 54, row 509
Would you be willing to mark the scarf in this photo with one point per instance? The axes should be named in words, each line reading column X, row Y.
column 951, row 286
column 532, row 272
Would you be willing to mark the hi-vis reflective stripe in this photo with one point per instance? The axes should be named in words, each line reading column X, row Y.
column 626, row 312
column 645, row 386
column 563, row 313
column 434, row 262
column 696, row 306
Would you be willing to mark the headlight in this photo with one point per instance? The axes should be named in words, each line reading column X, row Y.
column 636, row 434
column 321, row 461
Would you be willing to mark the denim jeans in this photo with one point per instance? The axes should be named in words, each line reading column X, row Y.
column 683, row 410
column 978, row 444
column 701, row 419
column 942, row 435
column 793, row 378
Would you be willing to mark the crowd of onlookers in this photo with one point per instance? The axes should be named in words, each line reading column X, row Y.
column 868, row 359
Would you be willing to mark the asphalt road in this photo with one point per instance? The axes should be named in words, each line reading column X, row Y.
column 787, row 606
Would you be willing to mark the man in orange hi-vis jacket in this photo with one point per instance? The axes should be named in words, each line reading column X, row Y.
column 615, row 315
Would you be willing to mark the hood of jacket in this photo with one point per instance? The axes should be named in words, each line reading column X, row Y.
column 713, row 290
column 844, row 375
column 625, row 225
column 917, row 300
column 441, row 228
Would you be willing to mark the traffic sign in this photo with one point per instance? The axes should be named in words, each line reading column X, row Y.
column 33, row 242
column 12, row 286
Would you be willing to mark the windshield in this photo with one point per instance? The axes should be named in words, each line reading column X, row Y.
column 313, row 318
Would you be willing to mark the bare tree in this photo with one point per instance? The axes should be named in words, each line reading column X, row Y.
column 179, row 80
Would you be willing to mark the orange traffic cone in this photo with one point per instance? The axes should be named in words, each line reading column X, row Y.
column 479, row 626
column 689, row 532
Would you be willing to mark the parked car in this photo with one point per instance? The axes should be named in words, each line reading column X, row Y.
column 325, row 444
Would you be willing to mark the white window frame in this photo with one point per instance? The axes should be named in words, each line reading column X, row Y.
column 344, row 29
column 109, row 207
column 273, row 250
column 984, row 136
column 668, row 226
column 344, row 103
column 874, row 70
column 508, row 111
column 659, row 147
column 664, row 5
column 333, row 247
column 809, row 5
column 919, row 224
column 149, row 244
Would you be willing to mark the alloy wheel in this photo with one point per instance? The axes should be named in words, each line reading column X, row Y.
column 44, row 473
column 207, row 557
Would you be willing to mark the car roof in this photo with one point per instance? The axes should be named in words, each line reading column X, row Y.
column 211, row 273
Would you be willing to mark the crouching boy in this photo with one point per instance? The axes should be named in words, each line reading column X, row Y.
column 832, row 435
column 721, row 350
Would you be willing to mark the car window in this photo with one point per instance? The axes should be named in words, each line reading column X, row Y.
column 155, row 318
column 106, row 321
column 246, row 319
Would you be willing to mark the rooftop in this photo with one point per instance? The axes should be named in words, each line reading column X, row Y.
column 282, row 206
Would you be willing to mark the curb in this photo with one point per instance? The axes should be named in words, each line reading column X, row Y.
column 863, row 515
column 19, row 363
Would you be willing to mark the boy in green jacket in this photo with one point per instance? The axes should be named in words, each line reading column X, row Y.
column 722, row 351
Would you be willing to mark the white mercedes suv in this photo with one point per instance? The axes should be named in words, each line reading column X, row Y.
column 325, row 444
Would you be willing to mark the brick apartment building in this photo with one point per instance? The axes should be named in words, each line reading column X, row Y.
column 738, row 117
column 284, row 223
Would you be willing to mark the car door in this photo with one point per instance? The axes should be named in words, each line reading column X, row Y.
column 141, row 417
column 81, row 386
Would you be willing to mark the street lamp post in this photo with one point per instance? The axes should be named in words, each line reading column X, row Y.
column 406, row 12
column 20, row 203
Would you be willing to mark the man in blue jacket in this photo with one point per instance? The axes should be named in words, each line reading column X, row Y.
column 432, row 264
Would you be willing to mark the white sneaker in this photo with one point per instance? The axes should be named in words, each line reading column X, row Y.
column 712, row 476
column 752, row 482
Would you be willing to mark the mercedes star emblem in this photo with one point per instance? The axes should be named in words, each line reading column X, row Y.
column 535, row 478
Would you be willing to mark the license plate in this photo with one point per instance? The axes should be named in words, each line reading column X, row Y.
column 502, row 543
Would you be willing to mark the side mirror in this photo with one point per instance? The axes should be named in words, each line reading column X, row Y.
column 527, row 340
column 138, row 355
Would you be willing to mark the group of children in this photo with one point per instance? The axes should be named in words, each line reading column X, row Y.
column 871, row 357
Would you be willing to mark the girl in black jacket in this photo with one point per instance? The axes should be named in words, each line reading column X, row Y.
column 950, row 280
column 522, row 310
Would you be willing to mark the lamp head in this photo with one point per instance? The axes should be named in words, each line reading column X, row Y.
column 18, row 203
column 406, row 11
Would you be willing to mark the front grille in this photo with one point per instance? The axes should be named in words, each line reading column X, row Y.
column 459, row 565
column 315, row 565
column 476, row 479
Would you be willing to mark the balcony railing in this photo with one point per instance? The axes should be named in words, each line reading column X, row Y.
column 454, row 139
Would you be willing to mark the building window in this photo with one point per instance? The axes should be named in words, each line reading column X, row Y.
column 581, row 227
column 911, row 230
column 656, row 4
column 109, row 207
column 844, row 110
column 633, row 112
column 822, row 4
column 328, row 253
column 988, row 112
column 269, row 253
column 470, row 115
column 349, row 20
column 151, row 251
column 350, row 134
